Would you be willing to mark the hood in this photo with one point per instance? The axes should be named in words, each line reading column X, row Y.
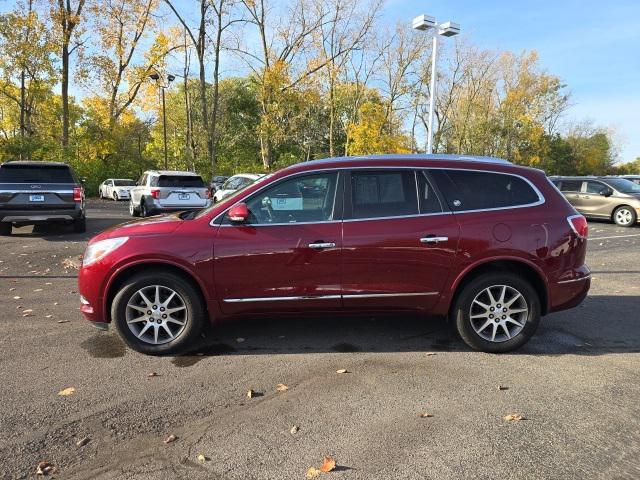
column 158, row 225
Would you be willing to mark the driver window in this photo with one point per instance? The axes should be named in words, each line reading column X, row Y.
column 307, row 198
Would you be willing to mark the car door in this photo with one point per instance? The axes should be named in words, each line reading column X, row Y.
column 286, row 257
column 136, row 192
column 109, row 188
column 593, row 201
column 398, row 241
column 571, row 189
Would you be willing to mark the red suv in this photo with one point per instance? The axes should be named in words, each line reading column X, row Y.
column 491, row 245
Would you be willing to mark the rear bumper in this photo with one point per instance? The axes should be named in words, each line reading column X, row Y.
column 40, row 216
column 156, row 206
column 570, row 291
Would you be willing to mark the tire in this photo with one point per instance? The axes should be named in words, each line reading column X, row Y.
column 144, row 211
column 625, row 216
column 133, row 211
column 115, row 197
column 5, row 228
column 474, row 294
column 100, row 194
column 193, row 313
column 80, row 225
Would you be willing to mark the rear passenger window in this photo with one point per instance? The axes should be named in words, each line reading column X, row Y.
column 383, row 194
column 472, row 190
column 570, row 185
column 429, row 202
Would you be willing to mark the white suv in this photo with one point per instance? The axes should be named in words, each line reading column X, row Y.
column 236, row 183
column 160, row 191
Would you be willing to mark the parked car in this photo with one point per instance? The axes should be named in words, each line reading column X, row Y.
column 35, row 193
column 608, row 198
column 160, row 191
column 237, row 182
column 633, row 178
column 116, row 188
column 491, row 245
column 216, row 183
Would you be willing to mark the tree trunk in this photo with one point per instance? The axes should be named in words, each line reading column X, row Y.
column 65, row 94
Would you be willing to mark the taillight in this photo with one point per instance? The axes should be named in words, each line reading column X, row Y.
column 77, row 194
column 155, row 193
column 579, row 225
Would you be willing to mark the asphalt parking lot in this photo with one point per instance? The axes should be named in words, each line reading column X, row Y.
column 577, row 385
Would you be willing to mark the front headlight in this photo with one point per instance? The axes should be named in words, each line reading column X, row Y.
column 98, row 250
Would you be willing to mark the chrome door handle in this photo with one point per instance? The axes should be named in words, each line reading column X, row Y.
column 321, row 245
column 433, row 239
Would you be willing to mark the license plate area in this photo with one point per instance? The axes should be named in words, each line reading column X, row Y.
column 36, row 198
column 184, row 196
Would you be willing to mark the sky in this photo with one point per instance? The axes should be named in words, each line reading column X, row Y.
column 594, row 47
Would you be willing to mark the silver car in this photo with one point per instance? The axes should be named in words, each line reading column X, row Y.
column 160, row 191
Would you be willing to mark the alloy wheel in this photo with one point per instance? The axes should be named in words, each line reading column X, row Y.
column 156, row 314
column 498, row 313
column 624, row 216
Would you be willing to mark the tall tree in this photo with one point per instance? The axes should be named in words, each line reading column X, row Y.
column 66, row 17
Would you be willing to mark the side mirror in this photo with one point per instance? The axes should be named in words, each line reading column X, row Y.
column 607, row 192
column 239, row 213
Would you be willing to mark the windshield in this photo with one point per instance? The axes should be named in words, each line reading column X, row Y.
column 236, row 194
column 124, row 183
column 623, row 185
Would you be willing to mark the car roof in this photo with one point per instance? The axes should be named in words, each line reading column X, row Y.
column 253, row 176
column 32, row 163
column 173, row 172
column 411, row 156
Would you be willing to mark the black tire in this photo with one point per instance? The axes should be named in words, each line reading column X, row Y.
column 630, row 216
column 115, row 197
column 462, row 313
column 195, row 312
column 5, row 228
column 144, row 212
column 133, row 210
column 80, row 225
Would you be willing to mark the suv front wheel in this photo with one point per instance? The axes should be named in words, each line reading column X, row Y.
column 497, row 312
column 158, row 313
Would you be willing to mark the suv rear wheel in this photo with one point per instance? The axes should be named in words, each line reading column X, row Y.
column 497, row 312
column 5, row 228
column 133, row 211
column 624, row 216
column 80, row 225
column 158, row 313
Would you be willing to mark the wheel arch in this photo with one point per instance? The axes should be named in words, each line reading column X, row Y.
column 128, row 271
column 615, row 209
column 518, row 266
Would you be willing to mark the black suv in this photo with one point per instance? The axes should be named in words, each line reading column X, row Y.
column 40, row 192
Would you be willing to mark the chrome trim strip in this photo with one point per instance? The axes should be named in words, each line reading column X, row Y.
column 541, row 199
column 35, row 192
column 384, row 295
column 281, row 299
column 575, row 279
column 433, row 239
column 35, row 218
column 328, row 297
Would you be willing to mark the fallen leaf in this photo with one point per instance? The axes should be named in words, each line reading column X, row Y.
column 342, row 370
column 313, row 472
column 425, row 415
column 294, row 430
column 27, row 314
column 56, row 303
column 513, row 417
column 202, row 458
column 48, row 316
column 38, row 290
column 45, row 468
column 82, row 442
column 251, row 394
column 67, row 392
column 328, row 464
column 28, row 310
column 48, row 283
column 430, row 354
column 152, row 374
column 64, row 321
column 12, row 289
column 281, row 387
column 171, row 438
column 502, row 387
column 17, row 297
column 239, row 339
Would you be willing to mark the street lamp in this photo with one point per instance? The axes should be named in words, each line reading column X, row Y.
column 447, row 29
column 170, row 78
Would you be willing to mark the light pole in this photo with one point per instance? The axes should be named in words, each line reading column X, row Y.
column 170, row 78
column 447, row 29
